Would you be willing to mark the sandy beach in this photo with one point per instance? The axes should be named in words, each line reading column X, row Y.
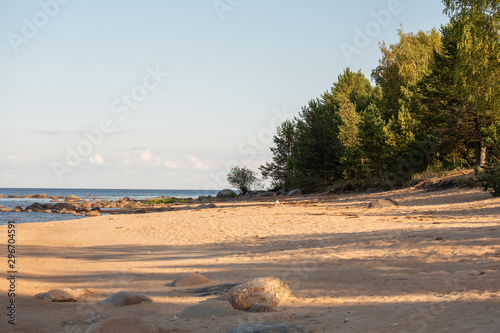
column 430, row 264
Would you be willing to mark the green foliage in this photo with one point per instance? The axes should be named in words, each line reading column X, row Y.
column 242, row 178
column 316, row 152
column 280, row 170
column 435, row 106
column 477, row 72
column 349, row 137
column 354, row 87
column 490, row 178
column 160, row 201
column 402, row 66
column 373, row 140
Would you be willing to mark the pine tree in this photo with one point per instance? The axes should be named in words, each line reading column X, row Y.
column 280, row 170
column 372, row 141
column 476, row 25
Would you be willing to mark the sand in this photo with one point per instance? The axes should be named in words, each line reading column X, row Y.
column 429, row 265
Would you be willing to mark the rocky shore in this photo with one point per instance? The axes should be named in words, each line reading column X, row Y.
column 94, row 207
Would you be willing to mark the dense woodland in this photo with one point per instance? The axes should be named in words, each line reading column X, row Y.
column 435, row 106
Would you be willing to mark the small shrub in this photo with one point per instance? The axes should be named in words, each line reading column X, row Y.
column 489, row 178
column 242, row 178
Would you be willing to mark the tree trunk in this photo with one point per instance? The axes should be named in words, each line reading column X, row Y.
column 480, row 153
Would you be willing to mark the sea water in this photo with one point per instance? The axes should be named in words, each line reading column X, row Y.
column 86, row 194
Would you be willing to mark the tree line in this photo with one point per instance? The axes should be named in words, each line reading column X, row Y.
column 435, row 105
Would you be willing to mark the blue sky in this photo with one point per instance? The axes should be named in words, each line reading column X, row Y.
column 170, row 94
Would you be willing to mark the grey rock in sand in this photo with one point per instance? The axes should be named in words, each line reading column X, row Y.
column 294, row 192
column 187, row 280
column 124, row 298
column 123, row 325
column 57, row 295
column 64, row 294
column 224, row 194
column 268, row 290
column 383, row 203
column 208, row 309
column 265, row 328
column 217, row 290
column 259, row 307
column 210, row 205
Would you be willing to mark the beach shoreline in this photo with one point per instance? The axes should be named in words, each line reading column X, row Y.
column 429, row 264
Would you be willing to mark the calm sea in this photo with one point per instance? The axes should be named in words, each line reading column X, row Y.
column 99, row 194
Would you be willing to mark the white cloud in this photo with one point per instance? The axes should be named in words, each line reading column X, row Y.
column 14, row 159
column 96, row 160
column 144, row 155
column 173, row 164
column 9, row 176
column 198, row 164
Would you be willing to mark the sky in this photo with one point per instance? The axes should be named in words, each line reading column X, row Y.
column 170, row 94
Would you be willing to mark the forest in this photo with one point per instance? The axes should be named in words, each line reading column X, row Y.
column 434, row 105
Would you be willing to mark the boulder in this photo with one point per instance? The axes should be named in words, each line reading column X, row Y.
column 381, row 203
column 56, row 295
column 48, row 206
column 39, row 196
column 64, row 205
column 72, row 198
column 294, row 192
column 93, row 213
column 66, row 211
column 208, row 309
column 5, row 209
column 123, row 325
column 86, row 204
column 17, row 209
column 225, row 194
column 2, row 196
column 187, row 280
column 36, row 206
column 268, row 290
column 203, row 206
column 64, row 294
column 259, row 307
column 371, row 190
column 217, row 290
column 266, row 194
column 54, row 199
column 124, row 298
column 269, row 327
